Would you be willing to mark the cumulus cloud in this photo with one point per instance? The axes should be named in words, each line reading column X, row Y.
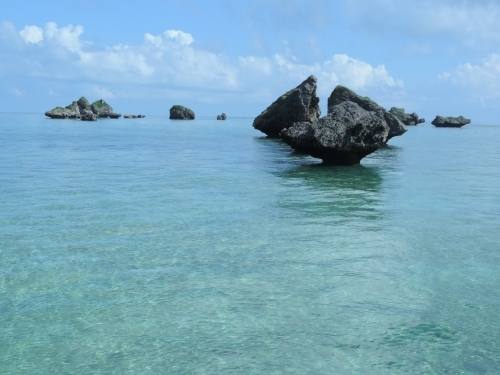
column 474, row 22
column 32, row 34
column 482, row 81
column 173, row 61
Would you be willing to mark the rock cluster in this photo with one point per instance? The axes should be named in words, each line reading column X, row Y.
column 354, row 127
column 222, row 116
column 77, row 109
column 179, row 112
column 297, row 105
column 133, row 116
column 406, row 118
column 450, row 122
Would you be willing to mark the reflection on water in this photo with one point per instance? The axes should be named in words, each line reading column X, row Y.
column 338, row 193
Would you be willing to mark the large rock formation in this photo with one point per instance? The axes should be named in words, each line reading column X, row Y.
column 76, row 110
column 297, row 105
column 406, row 118
column 179, row 112
column 450, row 122
column 221, row 117
column 103, row 109
column 342, row 94
column 343, row 137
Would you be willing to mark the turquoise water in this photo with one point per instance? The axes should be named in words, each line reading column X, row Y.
column 166, row 247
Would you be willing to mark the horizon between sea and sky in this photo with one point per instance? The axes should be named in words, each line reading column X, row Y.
column 431, row 57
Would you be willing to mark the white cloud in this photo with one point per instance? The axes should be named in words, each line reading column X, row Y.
column 172, row 60
column 481, row 81
column 474, row 22
column 32, row 34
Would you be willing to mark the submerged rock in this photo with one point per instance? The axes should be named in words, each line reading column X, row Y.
column 450, row 122
column 342, row 94
column 343, row 137
column 297, row 105
column 222, row 116
column 179, row 112
column 405, row 118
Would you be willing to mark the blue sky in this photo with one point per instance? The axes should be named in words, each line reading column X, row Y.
column 432, row 57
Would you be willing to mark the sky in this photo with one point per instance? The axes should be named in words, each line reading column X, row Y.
column 238, row 56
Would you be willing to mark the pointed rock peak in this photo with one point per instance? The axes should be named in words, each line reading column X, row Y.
column 297, row 105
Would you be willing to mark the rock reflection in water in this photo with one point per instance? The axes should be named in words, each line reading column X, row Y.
column 334, row 193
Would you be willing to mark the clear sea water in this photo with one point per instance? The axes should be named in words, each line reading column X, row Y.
column 152, row 246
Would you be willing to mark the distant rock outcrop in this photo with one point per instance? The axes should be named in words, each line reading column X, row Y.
column 450, row 122
column 103, row 109
column 406, row 118
column 222, row 116
column 133, row 116
column 70, row 111
column 297, row 105
column 342, row 94
column 77, row 109
column 179, row 112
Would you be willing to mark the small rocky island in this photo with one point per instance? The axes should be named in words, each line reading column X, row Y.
column 82, row 109
column 179, row 112
column 354, row 127
column 405, row 118
column 222, row 116
column 128, row 115
column 450, row 122
column 297, row 105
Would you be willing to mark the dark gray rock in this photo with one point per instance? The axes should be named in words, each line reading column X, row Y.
column 114, row 115
column 179, row 112
column 343, row 137
column 450, row 122
column 88, row 115
column 342, row 94
column 222, row 116
column 405, row 118
column 297, row 105
column 83, row 104
column 128, row 115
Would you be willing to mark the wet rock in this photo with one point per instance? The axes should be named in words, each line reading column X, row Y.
column 179, row 112
column 450, row 122
column 297, row 105
column 342, row 94
column 405, row 118
column 343, row 137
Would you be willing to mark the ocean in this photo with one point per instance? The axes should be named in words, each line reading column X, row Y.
column 152, row 246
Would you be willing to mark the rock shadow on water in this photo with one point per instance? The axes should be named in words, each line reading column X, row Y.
column 338, row 193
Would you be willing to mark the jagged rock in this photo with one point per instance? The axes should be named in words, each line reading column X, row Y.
column 103, row 109
column 297, row 105
column 405, row 118
column 88, row 115
column 179, row 112
column 83, row 104
column 343, row 137
column 70, row 111
column 450, row 122
column 342, row 94
column 221, row 117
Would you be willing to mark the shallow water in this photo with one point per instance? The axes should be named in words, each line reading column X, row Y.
column 152, row 246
